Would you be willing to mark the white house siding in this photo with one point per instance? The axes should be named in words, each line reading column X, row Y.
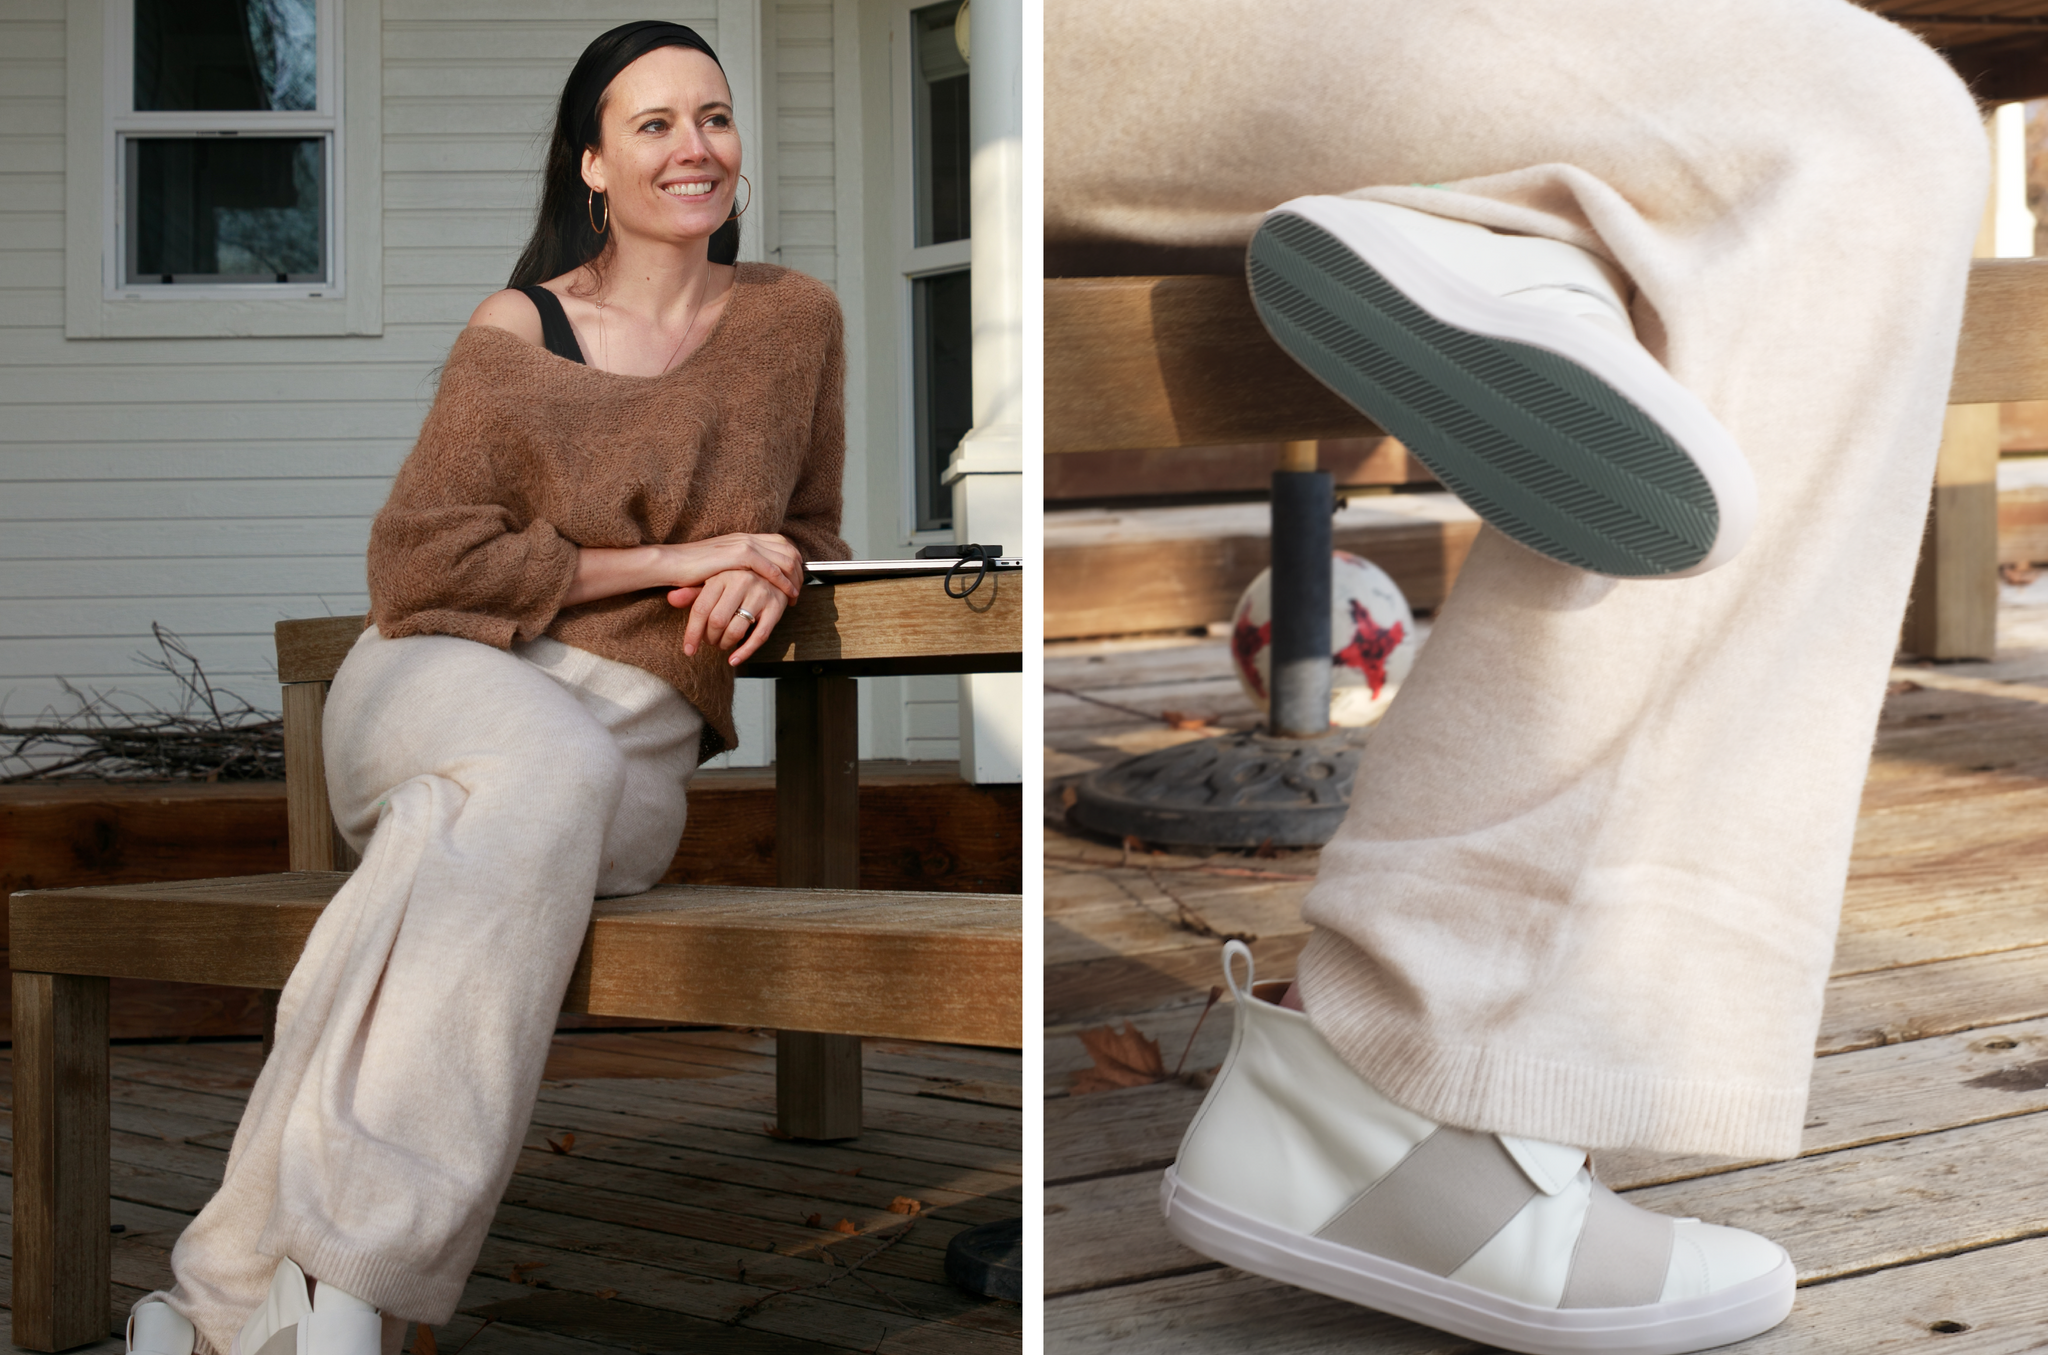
column 808, row 63
column 218, row 485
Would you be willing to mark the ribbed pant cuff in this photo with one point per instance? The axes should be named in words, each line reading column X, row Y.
column 1497, row 1089
column 397, row 1287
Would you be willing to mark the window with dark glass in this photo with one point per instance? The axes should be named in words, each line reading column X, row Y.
column 943, row 153
column 943, row 340
column 243, row 196
column 942, row 330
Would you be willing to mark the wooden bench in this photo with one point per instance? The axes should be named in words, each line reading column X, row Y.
column 816, row 959
column 1162, row 362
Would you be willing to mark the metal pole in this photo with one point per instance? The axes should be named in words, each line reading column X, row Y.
column 1303, row 501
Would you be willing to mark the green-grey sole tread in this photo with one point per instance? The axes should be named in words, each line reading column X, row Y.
column 1540, row 448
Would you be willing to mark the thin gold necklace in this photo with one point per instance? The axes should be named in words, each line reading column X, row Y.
column 604, row 344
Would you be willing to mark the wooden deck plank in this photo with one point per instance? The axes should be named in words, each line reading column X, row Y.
column 1916, row 1201
column 663, row 1218
column 1993, row 1295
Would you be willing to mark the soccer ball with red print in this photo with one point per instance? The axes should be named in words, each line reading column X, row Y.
column 1372, row 639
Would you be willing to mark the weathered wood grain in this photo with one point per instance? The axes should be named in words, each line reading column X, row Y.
column 869, row 626
column 1174, row 362
column 921, row 827
column 1112, row 587
column 1091, row 990
column 1889, row 1006
column 60, row 1160
column 899, row 626
column 1988, row 1302
column 315, row 842
column 1953, row 613
column 2003, row 354
column 704, row 1212
column 837, row 962
column 1097, row 476
column 1134, row 363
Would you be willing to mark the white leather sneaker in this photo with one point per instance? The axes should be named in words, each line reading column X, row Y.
column 1509, row 366
column 155, row 1328
column 333, row 1322
column 1296, row 1169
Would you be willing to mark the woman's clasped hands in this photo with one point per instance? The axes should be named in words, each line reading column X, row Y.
column 736, row 586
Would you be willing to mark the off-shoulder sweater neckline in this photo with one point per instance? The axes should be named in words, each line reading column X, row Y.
column 745, row 275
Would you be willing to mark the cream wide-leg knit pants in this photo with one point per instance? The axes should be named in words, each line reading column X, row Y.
column 1590, row 881
column 505, row 790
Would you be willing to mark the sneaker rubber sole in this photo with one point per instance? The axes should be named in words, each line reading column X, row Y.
column 1225, row 1234
column 1568, row 439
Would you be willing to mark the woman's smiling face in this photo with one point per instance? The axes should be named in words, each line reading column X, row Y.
column 670, row 155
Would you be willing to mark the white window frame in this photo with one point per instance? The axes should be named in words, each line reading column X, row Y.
column 913, row 261
column 99, row 66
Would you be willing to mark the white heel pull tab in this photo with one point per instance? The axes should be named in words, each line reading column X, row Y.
column 1234, row 951
column 157, row 1329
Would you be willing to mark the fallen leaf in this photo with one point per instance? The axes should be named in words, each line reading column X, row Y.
column 607, row 1293
column 849, row 1171
column 1123, row 1058
column 2018, row 574
column 1069, row 797
column 568, row 1142
column 773, row 1130
column 519, row 1269
column 423, row 1341
column 1180, row 719
column 903, row 1204
column 1266, row 851
column 814, row 1221
column 1901, row 687
column 844, row 1226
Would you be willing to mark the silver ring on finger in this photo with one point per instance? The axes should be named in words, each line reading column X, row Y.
column 751, row 618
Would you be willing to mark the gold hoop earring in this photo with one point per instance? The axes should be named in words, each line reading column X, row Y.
column 590, row 211
column 750, row 196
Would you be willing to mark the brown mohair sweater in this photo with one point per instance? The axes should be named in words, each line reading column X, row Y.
column 526, row 456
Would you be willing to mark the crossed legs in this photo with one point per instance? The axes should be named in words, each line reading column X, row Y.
column 494, row 794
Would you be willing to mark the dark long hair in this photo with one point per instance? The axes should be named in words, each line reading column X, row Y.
column 562, row 237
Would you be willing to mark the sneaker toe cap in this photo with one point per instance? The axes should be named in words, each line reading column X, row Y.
column 1707, row 1258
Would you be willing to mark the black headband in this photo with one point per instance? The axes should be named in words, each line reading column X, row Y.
column 611, row 53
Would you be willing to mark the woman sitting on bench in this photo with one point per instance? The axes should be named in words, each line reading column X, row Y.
column 632, row 451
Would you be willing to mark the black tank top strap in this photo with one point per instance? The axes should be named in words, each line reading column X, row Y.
column 555, row 331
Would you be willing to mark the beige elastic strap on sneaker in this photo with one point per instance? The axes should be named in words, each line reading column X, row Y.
column 1622, row 1255
column 1439, row 1205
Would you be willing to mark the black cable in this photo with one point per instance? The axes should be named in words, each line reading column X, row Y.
column 980, row 555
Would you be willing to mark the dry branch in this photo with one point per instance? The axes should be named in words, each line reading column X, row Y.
column 212, row 736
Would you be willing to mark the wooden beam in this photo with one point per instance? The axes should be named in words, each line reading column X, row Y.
column 1133, row 363
column 2004, row 351
column 63, row 1254
column 920, row 966
column 1954, row 610
column 1121, row 587
column 314, row 841
column 310, row 649
column 1174, row 362
column 868, row 627
column 877, row 626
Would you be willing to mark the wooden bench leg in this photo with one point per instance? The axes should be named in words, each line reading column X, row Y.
column 63, row 1254
column 817, row 846
column 1954, row 612
column 817, row 1085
